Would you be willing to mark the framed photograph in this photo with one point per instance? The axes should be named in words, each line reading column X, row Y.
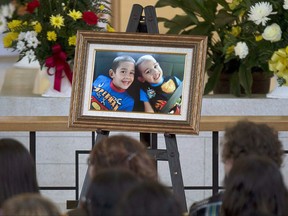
column 138, row 82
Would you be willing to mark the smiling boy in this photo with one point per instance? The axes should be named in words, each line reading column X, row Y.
column 109, row 93
column 156, row 89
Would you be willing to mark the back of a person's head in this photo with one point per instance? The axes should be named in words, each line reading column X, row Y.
column 17, row 170
column 122, row 151
column 149, row 198
column 254, row 184
column 106, row 189
column 29, row 205
column 247, row 137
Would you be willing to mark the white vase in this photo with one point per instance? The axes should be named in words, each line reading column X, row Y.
column 278, row 92
column 19, row 79
column 66, row 86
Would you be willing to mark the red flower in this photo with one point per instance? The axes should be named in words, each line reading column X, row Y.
column 90, row 18
column 31, row 6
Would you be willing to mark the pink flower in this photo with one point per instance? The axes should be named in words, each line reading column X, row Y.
column 31, row 6
column 90, row 18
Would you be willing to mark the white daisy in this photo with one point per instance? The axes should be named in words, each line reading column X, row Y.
column 21, row 36
column 259, row 13
column 20, row 46
column 32, row 42
column 285, row 5
column 241, row 50
column 31, row 55
column 30, row 35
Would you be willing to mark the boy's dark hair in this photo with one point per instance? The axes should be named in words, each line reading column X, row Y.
column 142, row 59
column 119, row 59
column 245, row 138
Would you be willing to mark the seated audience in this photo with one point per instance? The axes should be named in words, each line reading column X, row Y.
column 106, row 189
column 149, row 198
column 18, row 172
column 119, row 152
column 29, row 204
column 125, row 152
column 254, row 186
column 240, row 140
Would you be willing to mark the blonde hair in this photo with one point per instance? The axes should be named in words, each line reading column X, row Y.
column 29, row 204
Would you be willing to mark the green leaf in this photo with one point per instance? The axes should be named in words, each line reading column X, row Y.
column 235, row 88
column 164, row 3
column 245, row 78
column 203, row 28
column 178, row 24
column 213, row 79
column 223, row 18
column 223, row 3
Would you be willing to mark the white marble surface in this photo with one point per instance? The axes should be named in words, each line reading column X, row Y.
column 211, row 105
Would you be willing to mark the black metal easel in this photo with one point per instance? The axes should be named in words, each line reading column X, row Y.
column 148, row 24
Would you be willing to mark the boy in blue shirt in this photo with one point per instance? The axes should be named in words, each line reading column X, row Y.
column 109, row 93
column 156, row 89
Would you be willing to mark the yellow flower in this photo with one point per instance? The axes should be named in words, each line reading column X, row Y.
column 229, row 51
column 9, row 38
column 14, row 24
column 258, row 37
column 57, row 21
column 236, row 30
column 72, row 40
column 37, row 27
column 101, row 7
column 75, row 14
column 234, row 4
column 279, row 64
column 51, row 36
column 110, row 29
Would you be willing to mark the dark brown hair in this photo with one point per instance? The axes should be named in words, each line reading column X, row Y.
column 17, row 170
column 246, row 138
column 106, row 190
column 123, row 151
column 254, row 186
column 149, row 198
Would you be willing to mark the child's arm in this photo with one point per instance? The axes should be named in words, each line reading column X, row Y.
column 148, row 107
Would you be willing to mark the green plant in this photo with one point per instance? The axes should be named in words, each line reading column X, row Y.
column 242, row 35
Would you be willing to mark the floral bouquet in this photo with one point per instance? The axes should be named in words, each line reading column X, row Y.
column 243, row 35
column 259, row 36
column 46, row 32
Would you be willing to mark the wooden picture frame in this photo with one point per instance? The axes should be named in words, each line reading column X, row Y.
column 94, row 55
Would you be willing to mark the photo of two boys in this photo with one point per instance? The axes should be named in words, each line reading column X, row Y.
column 140, row 82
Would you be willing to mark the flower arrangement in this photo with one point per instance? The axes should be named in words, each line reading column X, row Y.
column 243, row 36
column 46, row 32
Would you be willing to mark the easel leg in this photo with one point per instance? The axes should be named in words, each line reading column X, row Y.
column 100, row 135
column 175, row 168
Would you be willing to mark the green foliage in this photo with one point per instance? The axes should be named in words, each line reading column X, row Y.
column 219, row 20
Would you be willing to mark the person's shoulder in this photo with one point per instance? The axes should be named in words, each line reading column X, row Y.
column 208, row 206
